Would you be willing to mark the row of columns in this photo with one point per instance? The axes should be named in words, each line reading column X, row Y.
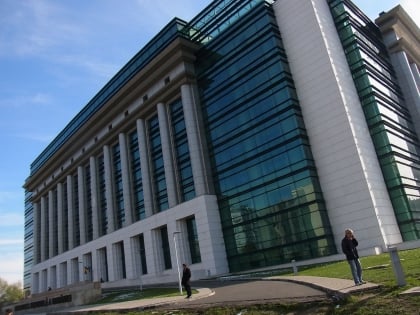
column 107, row 263
column 45, row 250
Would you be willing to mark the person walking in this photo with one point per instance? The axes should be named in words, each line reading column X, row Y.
column 186, row 276
column 349, row 246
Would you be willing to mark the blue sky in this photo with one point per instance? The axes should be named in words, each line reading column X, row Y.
column 54, row 57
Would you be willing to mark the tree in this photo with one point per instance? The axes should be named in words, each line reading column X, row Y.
column 10, row 293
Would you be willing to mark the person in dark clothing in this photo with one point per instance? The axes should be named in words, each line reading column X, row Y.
column 186, row 276
column 348, row 245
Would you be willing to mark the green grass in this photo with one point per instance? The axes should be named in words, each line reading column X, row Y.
column 377, row 269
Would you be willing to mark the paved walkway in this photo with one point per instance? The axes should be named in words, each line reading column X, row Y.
column 321, row 287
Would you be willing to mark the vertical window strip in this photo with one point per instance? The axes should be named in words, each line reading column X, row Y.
column 158, row 172
column 118, row 186
column 76, row 218
column 103, row 221
column 136, row 177
column 65, row 222
column 165, row 248
column 88, row 200
column 193, row 240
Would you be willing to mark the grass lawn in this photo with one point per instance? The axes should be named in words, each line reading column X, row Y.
column 377, row 269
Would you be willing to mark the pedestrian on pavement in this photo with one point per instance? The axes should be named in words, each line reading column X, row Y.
column 186, row 276
column 348, row 245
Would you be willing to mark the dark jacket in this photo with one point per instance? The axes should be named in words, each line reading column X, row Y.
column 349, row 248
column 186, row 275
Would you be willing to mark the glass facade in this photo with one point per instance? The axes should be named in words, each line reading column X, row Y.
column 193, row 243
column 165, row 247
column 142, row 254
column 28, row 258
column 389, row 121
column 271, row 204
column 270, row 201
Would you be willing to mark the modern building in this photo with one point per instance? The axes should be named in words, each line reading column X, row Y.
column 249, row 137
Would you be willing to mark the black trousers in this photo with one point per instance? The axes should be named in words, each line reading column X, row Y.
column 187, row 287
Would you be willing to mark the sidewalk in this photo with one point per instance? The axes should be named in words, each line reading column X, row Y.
column 134, row 305
column 333, row 288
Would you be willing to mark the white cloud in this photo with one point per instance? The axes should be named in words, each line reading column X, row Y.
column 11, row 219
column 11, row 242
column 37, row 136
column 11, row 266
column 35, row 27
column 23, row 101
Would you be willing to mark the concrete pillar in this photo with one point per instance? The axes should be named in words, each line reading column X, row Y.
column 408, row 75
column 70, row 216
column 128, row 252
column 125, row 169
column 110, row 253
column 167, row 155
column 94, row 197
column 144, row 162
column 43, row 228
column 110, row 213
column 396, row 265
column 50, row 251
column 82, row 203
column 60, row 218
column 199, row 161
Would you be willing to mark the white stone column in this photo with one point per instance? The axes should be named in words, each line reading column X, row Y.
column 60, row 283
column 69, row 272
column 70, row 216
column 145, row 167
column 196, row 141
column 336, row 125
column 152, row 252
column 128, row 253
column 94, row 268
column 110, row 253
column 60, row 218
column 94, row 197
column 125, row 169
column 43, row 228
column 167, row 155
column 50, row 224
column 110, row 212
column 408, row 76
column 37, row 237
column 82, row 203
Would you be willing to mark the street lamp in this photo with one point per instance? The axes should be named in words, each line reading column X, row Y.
column 177, row 263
